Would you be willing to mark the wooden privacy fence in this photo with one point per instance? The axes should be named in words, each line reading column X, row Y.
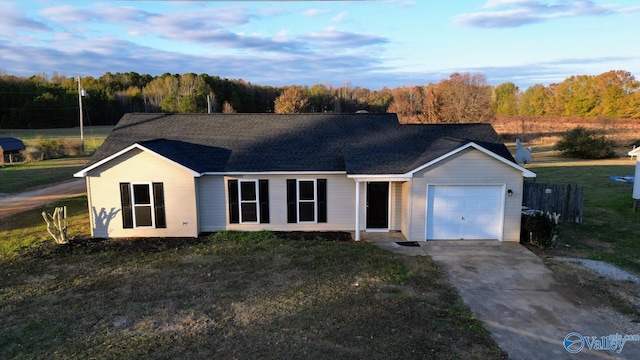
column 563, row 199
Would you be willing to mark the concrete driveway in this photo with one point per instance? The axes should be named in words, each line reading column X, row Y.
column 516, row 297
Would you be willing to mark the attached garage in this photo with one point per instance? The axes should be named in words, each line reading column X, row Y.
column 467, row 212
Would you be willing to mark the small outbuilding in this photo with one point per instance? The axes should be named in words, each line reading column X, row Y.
column 10, row 148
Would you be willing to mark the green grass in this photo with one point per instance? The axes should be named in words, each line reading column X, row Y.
column 27, row 230
column 610, row 230
column 21, row 177
column 17, row 178
column 93, row 135
column 231, row 295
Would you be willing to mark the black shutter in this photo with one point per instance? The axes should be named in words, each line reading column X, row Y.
column 322, row 200
column 234, row 207
column 125, row 201
column 158, row 204
column 291, row 201
column 263, row 194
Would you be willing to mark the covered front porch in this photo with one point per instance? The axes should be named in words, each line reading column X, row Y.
column 382, row 207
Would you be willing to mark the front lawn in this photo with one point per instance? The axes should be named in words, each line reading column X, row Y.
column 610, row 230
column 229, row 295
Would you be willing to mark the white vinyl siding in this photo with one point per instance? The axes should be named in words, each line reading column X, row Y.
column 140, row 167
column 213, row 203
column 395, row 222
column 470, row 167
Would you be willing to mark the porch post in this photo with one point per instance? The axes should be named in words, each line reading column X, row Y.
column 357, row 210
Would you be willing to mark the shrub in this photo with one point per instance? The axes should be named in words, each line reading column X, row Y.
column 582, row 143
column 51, row 148
column 32, row 154
column 539, row 229
column 72, row 147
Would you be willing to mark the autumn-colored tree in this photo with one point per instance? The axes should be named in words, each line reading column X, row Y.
column 407, row 103
column 227, row 108
column 616, row 87
column 293, row 100
column 431, row 105
column 161, row 93
column 533, row 100
column 464, row 98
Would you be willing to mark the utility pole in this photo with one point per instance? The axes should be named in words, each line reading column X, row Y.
column 80, row 94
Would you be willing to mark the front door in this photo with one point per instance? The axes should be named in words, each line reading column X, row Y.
column 377, row 205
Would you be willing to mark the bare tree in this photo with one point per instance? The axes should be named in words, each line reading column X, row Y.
column 464, row 98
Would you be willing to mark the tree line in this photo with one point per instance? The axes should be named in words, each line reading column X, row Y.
column 40, row 101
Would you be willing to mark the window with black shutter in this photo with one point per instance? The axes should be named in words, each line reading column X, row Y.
column 248, row 201
column 306, row 200
column 142, row 205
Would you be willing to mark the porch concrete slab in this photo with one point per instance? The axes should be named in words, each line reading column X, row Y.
column 401, row 249
column 516, row 297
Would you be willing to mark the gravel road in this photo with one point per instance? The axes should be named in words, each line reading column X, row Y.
column 16, row 203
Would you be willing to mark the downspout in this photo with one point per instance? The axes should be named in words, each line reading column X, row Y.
column 357, row 210
column 92, row 220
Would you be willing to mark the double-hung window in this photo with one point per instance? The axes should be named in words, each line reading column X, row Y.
column 142, row 205
column 248, row 201
column 248, row 195
column 306, row 200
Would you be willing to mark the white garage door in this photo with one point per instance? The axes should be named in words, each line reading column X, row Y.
column 464, row 212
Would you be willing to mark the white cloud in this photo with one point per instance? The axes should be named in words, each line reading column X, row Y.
column 339, row 17
column 13, row 21
column 513, row 13
column 314, row 12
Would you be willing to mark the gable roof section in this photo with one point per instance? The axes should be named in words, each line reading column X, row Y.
column 365, row 144
column 148, row 149
column 11, row 144
column 525, row 172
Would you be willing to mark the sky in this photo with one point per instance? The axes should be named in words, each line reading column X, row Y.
column 370, row 44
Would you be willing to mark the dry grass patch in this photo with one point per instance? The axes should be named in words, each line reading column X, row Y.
column 233, row 295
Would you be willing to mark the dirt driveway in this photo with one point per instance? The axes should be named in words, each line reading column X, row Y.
column 16, row 203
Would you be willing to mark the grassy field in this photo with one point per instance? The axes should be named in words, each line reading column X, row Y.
column 232, row 295
column 21, row 177
column 610, row 230
column 93, row 135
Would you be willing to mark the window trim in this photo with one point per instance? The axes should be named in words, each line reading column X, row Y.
column 256, row 201
column 234, row 193
column 151, row 205
column 314, row 201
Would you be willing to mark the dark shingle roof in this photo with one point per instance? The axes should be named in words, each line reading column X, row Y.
column 355, row 143
column 11, row 144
